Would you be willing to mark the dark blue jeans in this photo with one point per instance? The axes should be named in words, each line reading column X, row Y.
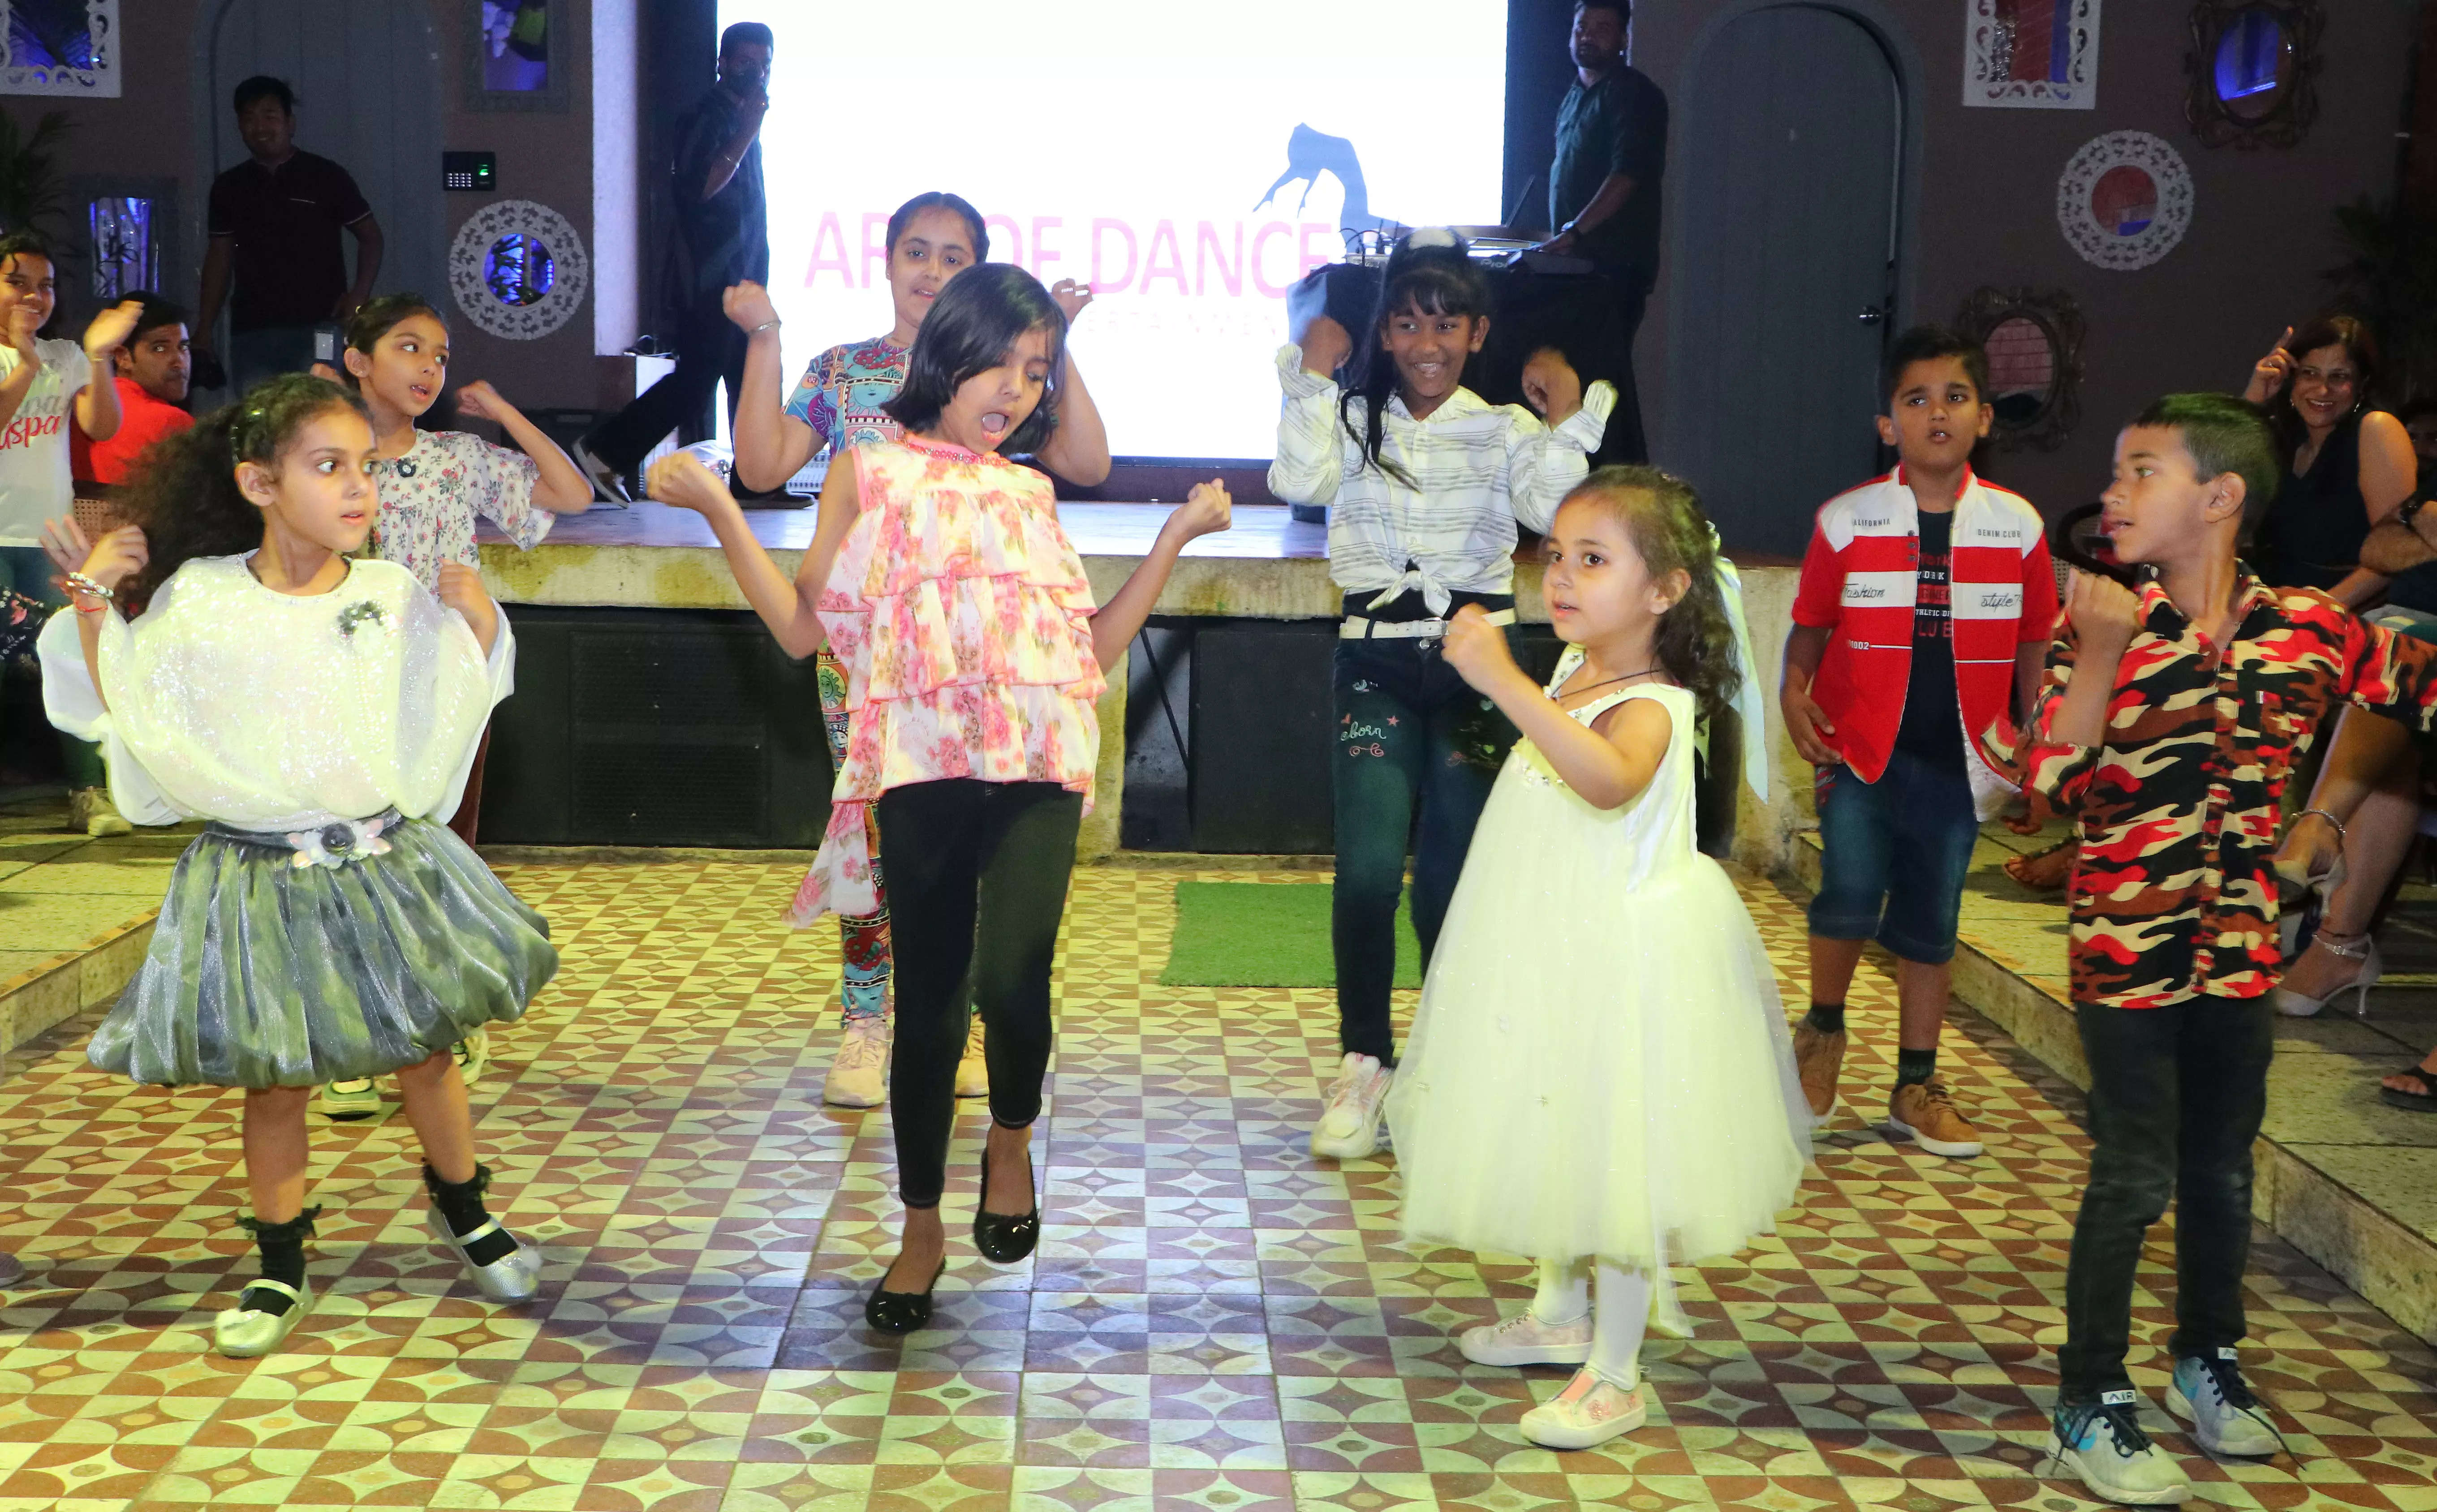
column 1893, row 855
column 2176, row 1096
column 1410, row 735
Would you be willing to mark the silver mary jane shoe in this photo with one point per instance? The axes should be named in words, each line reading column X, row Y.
column 513, row 1277
column 244, row 1333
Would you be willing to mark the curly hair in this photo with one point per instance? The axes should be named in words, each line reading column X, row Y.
column 1695, row 641
column 185, row 495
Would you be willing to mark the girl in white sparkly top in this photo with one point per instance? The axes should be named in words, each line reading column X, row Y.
column 321, row 712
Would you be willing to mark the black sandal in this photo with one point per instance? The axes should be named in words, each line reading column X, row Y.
column 2015, row 866
column 2424, row 1100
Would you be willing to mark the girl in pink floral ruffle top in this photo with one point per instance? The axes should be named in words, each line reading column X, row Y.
column 940, row 574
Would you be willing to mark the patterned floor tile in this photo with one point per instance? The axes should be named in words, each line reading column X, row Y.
column 1213, row 1320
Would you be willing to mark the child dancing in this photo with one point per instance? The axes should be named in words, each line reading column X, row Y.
column 1599, row 989
column 322, row 713
column 839, row 402
column 433, row 485
column 973, row 660
column 2168, row 727
column 1424, row 484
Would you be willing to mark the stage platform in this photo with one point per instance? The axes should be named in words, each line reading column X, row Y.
column 1267, row 568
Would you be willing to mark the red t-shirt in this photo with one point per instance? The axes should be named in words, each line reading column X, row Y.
column 143, row 420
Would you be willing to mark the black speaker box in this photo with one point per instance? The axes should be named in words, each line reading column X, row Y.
column 655, row 727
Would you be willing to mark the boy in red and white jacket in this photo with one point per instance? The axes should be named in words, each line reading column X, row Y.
column 1923, row 620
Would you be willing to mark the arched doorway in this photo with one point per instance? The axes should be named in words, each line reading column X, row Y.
column 1788, row 192
column 368, row 82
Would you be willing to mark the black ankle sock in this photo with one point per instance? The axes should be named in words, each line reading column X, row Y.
column 282, row 1248
column 1915, row 1066
column 1828, row 1018
column 461, row 1207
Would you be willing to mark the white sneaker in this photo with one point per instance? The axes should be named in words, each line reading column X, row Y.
column 473, row 1055
column 605, row 482
column 348, row 1101
column 859, row 1075
column 1590, row 1410
column 2226, row 1419
column 1524, row 1340
column 2103, row 1444
column 91, row 811
column 973, row 1072
column 1349, row 1128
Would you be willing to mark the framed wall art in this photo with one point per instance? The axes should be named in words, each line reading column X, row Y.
column 2032, row 54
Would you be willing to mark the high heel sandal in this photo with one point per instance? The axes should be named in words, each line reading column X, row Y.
column 902, row 1311
column 1003, row 1238
column 2363, row 949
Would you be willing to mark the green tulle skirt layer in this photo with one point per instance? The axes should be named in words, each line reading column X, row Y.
column 265, row 973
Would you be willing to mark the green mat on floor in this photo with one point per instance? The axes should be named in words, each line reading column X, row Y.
column 1266, row 934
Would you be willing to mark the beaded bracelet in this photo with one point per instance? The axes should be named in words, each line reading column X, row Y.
column 80, row 583
column 2329, row 818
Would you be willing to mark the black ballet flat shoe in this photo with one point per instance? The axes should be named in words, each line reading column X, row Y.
column 902, row 1311
column 1003, row 1238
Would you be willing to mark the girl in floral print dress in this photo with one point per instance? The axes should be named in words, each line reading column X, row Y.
column 432, row 484
column 974, row 658
column 838, row 403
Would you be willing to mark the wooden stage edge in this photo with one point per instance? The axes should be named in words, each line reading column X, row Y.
column 652, row 556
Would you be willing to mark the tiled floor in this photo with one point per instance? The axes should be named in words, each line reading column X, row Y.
column 1213, row 1320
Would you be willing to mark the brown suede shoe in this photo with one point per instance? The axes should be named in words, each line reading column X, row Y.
column 1925, row 1112
column 1817, row 1059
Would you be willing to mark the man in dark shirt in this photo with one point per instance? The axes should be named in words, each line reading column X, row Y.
column 274, row 224
column 1604, row 192
column 722, row 238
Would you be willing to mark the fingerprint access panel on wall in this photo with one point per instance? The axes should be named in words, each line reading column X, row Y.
column 478, row 171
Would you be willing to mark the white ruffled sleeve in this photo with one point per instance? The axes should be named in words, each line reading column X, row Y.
column 499, row 672
column 75, row 706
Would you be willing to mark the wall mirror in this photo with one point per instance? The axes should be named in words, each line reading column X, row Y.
column 2250, row 77
column 2034, row 339
column 59, row 47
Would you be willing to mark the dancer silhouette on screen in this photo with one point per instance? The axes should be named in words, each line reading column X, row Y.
column 1311, row 153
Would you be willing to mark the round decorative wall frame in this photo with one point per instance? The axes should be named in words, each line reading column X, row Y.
column 518, row 270
column 2124, row 201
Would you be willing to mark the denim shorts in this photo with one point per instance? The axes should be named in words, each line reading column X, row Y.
column 1894, row 855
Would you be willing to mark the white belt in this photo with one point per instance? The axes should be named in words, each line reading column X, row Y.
column 1356, row 627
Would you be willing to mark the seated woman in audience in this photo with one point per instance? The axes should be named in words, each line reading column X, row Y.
column 2349, row 465
column 2380, row 760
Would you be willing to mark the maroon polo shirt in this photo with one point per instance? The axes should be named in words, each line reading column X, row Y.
column 291, row 268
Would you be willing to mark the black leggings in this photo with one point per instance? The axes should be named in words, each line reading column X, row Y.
column 976, row 878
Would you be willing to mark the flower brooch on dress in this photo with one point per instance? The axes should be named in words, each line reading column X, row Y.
column 342, row 840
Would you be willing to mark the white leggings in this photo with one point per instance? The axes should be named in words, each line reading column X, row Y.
column 1616, row 1331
